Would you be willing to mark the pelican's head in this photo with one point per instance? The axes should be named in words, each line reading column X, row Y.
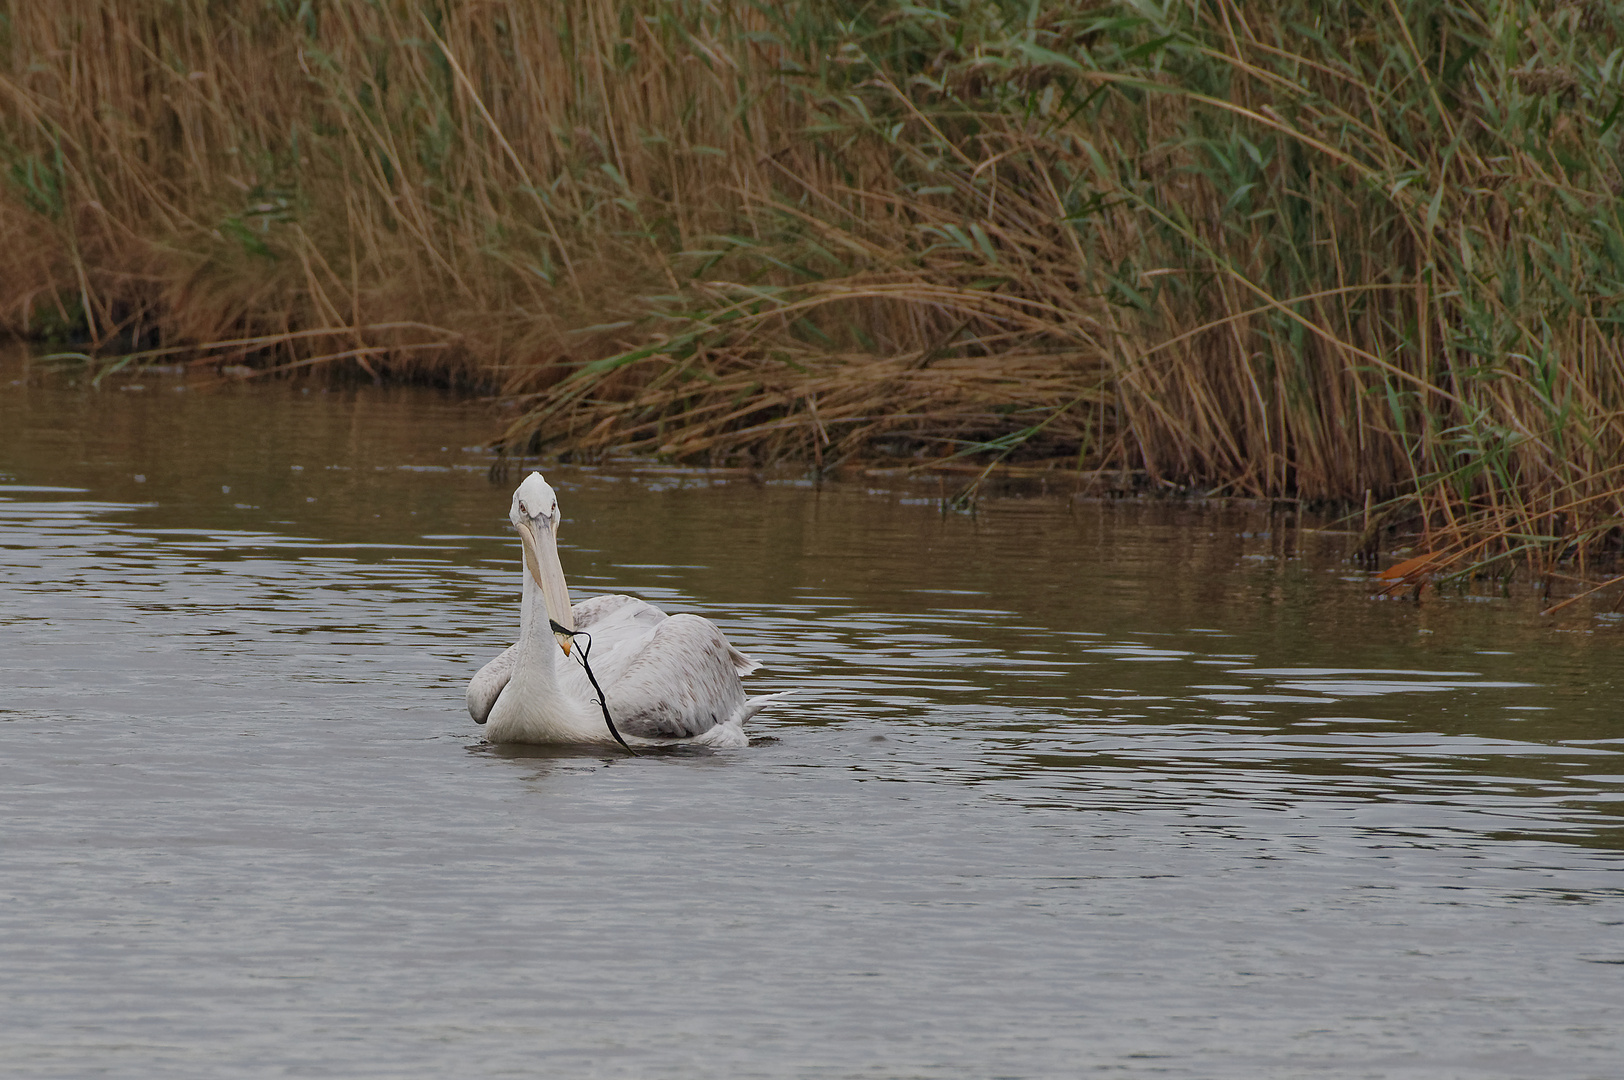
column 535, row 515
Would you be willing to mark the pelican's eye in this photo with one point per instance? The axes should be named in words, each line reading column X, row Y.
column 522, row 510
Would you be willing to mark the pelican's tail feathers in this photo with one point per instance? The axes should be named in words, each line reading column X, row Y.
column 754, row 705
column 742, row 664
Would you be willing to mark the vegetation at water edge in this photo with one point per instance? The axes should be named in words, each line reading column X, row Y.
column 1370, row 254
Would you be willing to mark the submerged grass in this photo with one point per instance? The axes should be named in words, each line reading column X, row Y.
column 1369, row 254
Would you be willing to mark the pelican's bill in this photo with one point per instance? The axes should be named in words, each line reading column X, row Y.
column 541, row 559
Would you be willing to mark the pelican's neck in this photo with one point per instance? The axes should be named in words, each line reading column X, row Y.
column 538, row 648
column 539, row 705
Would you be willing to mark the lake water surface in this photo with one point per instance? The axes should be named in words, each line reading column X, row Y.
column 1071, row 788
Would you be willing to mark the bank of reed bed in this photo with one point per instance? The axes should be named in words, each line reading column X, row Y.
column 1368, row 255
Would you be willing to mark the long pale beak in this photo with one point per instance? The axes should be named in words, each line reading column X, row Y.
column 541, row 560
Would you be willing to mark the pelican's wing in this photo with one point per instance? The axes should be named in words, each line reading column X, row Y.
column 684, row 681
column 606, row 614
column 487, row 683
column 613, row 629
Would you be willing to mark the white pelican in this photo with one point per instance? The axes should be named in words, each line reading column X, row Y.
column 666, row 678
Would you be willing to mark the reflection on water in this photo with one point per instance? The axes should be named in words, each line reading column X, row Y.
column 1068, row 788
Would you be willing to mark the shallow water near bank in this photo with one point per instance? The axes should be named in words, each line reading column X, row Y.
column 1069, row 788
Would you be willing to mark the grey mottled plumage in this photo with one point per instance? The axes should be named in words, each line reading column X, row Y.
column 666, row 678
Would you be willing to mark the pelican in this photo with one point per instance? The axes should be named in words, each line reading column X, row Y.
column 666, row 678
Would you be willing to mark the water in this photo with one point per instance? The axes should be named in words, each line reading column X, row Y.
column 1071, row 789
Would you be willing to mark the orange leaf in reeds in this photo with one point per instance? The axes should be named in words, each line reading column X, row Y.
column 1412, row 571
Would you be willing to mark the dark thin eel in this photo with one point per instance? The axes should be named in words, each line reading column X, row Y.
column 593, row 679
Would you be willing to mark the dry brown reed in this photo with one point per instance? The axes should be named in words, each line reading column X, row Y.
column 1369, row 254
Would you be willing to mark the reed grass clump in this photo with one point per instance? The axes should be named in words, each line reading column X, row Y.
column 1369, row 254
